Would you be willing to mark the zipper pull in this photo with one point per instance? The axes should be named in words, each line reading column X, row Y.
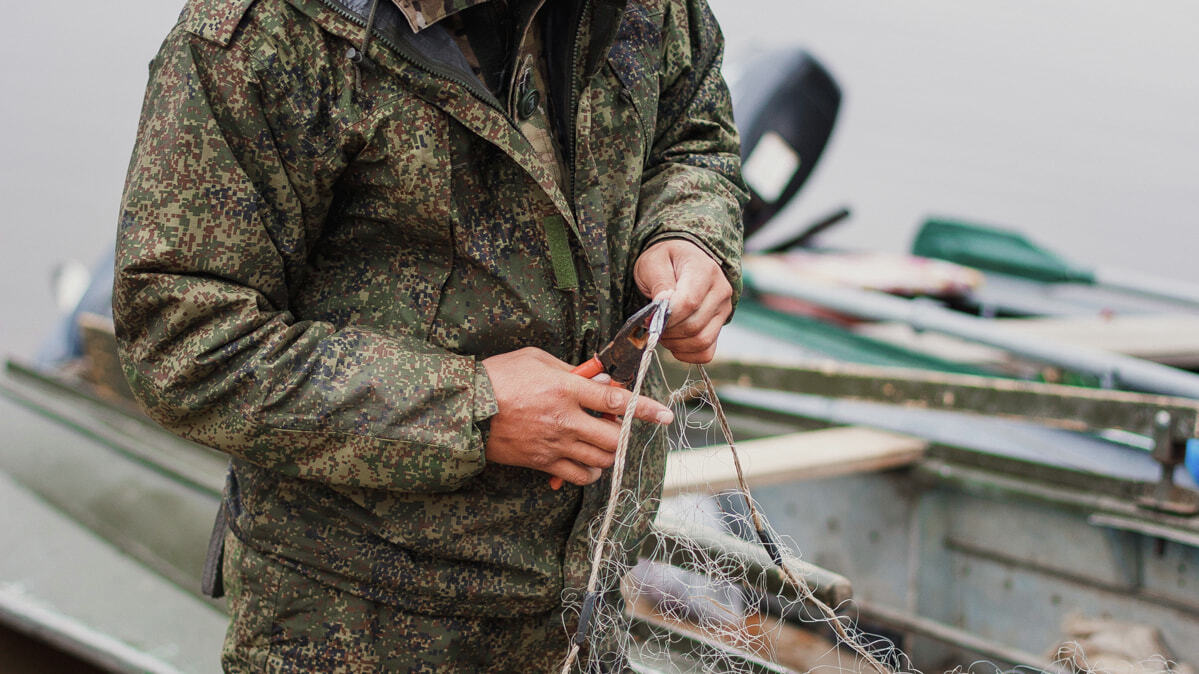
column 353, row 83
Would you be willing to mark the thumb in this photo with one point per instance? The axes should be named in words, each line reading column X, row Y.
column 655, row 275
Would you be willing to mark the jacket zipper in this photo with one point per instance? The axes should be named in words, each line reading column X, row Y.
column 429, row 68
column 573, row 106
column 485, row 96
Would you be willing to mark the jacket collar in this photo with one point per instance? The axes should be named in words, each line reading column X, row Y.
column 423, row 13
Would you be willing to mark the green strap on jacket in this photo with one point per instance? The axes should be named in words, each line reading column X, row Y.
column 563, row 262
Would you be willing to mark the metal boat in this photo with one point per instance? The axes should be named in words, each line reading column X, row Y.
column 969, row 505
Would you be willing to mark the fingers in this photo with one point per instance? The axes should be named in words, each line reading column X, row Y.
column 589, row 455
column 573, row 473
column 705, row 316
column 699, row 351
column 615, row 400
column 693, row 340
column 654, row 272
column 544, row 422
column 603, row 434
column 701, row 297
column 583, row 463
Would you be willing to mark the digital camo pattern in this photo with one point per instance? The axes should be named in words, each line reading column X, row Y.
column 286, row 623
column 423, row 13
column 314, row 255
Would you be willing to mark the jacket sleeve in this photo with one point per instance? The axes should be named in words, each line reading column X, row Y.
column 215, row 223
column 692, row 186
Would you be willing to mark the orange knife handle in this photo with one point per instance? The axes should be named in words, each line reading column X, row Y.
column 589, row 369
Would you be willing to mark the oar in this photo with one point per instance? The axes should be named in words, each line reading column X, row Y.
column 1118, row 370
column 1009, row 252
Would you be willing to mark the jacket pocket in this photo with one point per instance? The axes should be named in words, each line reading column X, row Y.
column 387, row 246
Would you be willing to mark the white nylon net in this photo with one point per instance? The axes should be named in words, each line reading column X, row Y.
column 704, row 593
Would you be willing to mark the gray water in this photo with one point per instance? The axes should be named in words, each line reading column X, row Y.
column 1074, row 120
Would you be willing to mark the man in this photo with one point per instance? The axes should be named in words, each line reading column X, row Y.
column 362, row 260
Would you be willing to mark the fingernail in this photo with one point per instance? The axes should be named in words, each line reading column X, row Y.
column 665, row 417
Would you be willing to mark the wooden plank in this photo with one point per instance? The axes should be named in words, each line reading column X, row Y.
column 786, row 458
column 1173, row 339
column 100, row 365
column 1070, row 407
column 1167, row 339
column 762, row 636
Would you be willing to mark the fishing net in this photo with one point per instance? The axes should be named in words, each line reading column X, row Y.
column 712, row 588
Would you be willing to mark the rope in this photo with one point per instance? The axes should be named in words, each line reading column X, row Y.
column 773, row 548
column 767, row 540
column 622, row 450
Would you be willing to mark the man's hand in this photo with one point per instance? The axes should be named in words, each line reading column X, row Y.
column 543, row 422
column 700, row 296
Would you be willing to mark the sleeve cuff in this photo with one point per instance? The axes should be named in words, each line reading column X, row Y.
column 484, row 405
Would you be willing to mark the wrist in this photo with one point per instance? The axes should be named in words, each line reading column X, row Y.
column 665, row 237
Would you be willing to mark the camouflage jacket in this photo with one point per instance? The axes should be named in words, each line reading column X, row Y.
column 315, row 252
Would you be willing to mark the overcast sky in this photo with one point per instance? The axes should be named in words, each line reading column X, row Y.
column 1075, row 120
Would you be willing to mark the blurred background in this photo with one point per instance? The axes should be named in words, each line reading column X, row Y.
column 1076, row 121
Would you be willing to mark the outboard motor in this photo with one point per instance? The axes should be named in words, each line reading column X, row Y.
column 785, row 104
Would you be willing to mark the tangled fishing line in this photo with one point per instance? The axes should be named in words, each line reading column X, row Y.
column 690, row 595
column 712, row 597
